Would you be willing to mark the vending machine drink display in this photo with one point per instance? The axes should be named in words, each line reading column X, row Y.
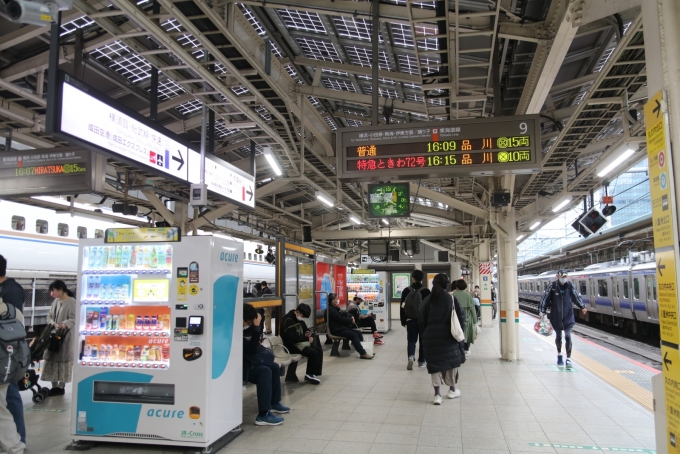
column 372, row 287
column 159, row 354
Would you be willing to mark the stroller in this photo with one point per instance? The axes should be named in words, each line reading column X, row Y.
column 30, row 381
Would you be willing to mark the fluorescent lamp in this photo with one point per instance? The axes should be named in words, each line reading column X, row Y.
column 355, row 219
column 386, row 222
column 617, row 162
column 272, row 160
column 325, row 199
column 561, row 205
column 535, row 225
column 519, row 238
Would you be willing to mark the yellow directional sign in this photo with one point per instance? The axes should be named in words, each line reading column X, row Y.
column 667, row 295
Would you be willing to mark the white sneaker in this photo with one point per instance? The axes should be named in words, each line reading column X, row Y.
column 437, row 400
column 453, row 394
column 467, row 353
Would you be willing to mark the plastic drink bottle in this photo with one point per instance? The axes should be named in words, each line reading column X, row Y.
column 165, row 350
column 138, row 352
column 130, row 353
column 147, row 322
column 109, row 322
column 122, row 322
column 94, row 353
column 88, row 318
column 133, row 257
column 154, row 257
column 119, row 256
column 114, row 351
column 112, row 256
column 87, row 351
column 115, row 323
column 131, row 321
column 90, row 286
column 154, row 322
column 139, row 325
column 103, row 312
column 95, row 319
column 161, row 257
column 125, row 260
column 168, row 257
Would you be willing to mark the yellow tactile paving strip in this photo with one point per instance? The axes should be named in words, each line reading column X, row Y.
column 627, row 387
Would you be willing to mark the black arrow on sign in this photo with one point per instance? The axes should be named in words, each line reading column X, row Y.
column 250, row 193
column 667, row 361
column 657, row 109
column 660, row 267
column 180, row 159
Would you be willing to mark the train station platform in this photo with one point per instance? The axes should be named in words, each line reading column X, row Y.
column 377, row 406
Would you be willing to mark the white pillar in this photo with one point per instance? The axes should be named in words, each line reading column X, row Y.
column 484, row 271
column 455, row 271
column 507, row 276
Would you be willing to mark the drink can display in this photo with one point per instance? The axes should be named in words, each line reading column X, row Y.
column 165, row 321
column 122, row 349
column 139, row 323
column 87, row 351
column 165, row 350
column 109, row 322
column 88, row 319
column 95, row 320
column 168, row 257
column 138, row 352
column 154, row 322
column 115, row 323
column 130, row 321
column 147, row 322
column 114, row 352
column 94, row 351
column 130, row 353
column 145, row 353
column 122, row 322
column 103, row 352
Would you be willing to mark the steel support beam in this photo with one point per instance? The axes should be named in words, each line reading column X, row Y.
column 448, row 200
column 360, row 234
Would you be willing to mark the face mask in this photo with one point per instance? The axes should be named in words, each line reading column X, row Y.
column 562, row 280
column 246, row 327
column 299, row 318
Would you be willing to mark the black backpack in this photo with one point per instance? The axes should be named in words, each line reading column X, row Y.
column 412, row 303
column 15, row 355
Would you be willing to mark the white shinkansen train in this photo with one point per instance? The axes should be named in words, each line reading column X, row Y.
column 41, row 245
column 617, row 294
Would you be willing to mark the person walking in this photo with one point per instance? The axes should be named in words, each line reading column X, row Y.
column 469, row 312
column 560, row 298
column 13, row 293
column 59, row 365
column 340, row 324
column 443, row 352
column 408, row 313
column 10, row 439
column 494, row 303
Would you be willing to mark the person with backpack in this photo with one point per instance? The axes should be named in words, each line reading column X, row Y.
column 62, row 316
column 469, row 313
column 443, row 351
column 13, row 294
column 560, row 297
column 411, row 300
column 15, row 357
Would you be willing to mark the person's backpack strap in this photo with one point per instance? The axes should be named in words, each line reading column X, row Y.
column 10, row 313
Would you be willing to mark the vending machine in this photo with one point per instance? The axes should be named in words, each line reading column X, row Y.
column 373, row 288
column 159, row 353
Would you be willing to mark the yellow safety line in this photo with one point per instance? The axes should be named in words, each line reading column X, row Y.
column 626, row 386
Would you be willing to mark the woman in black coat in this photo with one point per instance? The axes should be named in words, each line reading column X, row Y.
column 443, row 352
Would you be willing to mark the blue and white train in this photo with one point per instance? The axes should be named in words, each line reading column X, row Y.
column 41, row 245
column 618, row 294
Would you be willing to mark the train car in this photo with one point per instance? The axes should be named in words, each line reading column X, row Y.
column 616, row 294
column 41, row 245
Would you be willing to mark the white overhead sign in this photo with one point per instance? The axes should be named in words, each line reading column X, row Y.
column 89, row 119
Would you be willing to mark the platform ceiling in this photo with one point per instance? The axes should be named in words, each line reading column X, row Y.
column 580, row 64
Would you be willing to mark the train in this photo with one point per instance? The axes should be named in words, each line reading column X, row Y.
column 619, row 294
column 41, row 245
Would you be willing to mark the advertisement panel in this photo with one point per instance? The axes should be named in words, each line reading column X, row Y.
column 330, row 278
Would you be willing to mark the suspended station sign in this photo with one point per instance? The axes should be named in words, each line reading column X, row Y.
column 91, row 119
column 482, row 146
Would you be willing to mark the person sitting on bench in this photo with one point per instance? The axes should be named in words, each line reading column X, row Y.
column 340, row 324
column 364, row 320
column 297, row 338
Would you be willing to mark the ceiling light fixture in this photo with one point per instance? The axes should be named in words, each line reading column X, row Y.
column 616, row 162
column 355, row 219
column 561, row 205
column 328, row 200
column 386, row 222
column 535, row 225
column 271, row 159
column 519, row 238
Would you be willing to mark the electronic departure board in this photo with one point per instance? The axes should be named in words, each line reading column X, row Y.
column 482, row 146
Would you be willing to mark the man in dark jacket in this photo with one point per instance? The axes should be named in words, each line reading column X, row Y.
column 340, row 324
column 260, row 369
column 13, row 293
column 560, row 298
column 297, row 338
column 412, row 324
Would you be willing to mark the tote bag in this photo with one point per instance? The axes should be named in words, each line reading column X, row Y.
column 456, row 330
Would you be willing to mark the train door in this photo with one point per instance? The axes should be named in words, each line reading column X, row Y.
column 583, row 290
column 616, row 304
column 652, row 300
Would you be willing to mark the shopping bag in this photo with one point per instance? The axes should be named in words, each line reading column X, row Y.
column 368, row 346
column 456, row 330
column 543, row 326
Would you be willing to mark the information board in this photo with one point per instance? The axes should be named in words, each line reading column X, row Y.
column 48, row 171
column 143, row 235
column 89, row 118
column 481, row 146
column 389, row 200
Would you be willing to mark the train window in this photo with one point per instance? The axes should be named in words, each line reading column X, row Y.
column 41, row 226
column 651, row 287
column 582, row 287
column 636, row 288
column 98, row 233
column 18, row 223
column 82, row 232
column 531, row 286
column 62, row 229
column 250, row 256
column 626, row 290
column 602, row 287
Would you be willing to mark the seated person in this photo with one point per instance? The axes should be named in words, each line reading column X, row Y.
column 297, row 338
column 260, row 369
column 364, row 320
column 340, row 324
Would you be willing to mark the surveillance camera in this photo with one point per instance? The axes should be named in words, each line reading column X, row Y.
column 36, row 12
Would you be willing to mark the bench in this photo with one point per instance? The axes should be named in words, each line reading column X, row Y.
column 282, row 356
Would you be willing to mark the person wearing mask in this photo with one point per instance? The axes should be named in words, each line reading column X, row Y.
column 10, row 440
column 477, row 298
column 469, row 313
column 364, row 320
column 258, row 289
column 560, row 298
column 266, row 291
column 13, row 293
column 340, row 324
column 494, row 303
column 62, row 316
column 260, row 369
column 297, row 338
column 442, row 351
column 410, row 320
